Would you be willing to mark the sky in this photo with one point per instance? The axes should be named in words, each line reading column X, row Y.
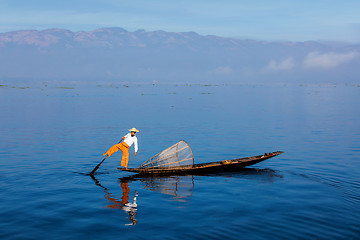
column 269, row 20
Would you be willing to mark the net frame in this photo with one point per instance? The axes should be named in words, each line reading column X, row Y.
column 155, row 162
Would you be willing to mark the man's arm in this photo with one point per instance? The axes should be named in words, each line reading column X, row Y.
column 136, row 146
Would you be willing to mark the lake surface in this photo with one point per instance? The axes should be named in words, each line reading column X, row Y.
column 53, row 134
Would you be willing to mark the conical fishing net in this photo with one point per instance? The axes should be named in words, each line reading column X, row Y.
column 178, row 155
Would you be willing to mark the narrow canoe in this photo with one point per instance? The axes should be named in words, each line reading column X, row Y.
column 212, row 167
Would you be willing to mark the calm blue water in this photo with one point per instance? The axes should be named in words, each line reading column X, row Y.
column 51, row 136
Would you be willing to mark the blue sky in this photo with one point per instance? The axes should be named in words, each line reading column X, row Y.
column 334, row 20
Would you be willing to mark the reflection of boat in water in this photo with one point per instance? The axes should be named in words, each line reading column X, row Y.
column 179, row 187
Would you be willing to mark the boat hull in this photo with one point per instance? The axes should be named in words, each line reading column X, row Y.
column 201, row 168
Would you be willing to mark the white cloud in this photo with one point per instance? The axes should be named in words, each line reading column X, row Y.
column 327, row 60
column 286, row 64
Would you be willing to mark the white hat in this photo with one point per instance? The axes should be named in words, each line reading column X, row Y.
column 133, row 130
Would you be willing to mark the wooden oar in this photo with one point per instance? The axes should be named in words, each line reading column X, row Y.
column 97, row 166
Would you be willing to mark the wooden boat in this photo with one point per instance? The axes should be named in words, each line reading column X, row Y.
column 201, row 168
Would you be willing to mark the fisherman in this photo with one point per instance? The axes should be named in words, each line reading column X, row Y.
column 124, row 145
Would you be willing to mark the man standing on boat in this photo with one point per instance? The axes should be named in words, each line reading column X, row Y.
column 124, row 145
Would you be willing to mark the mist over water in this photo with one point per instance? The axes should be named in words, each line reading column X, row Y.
column 52, row 135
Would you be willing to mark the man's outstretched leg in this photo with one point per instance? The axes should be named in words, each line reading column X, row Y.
column 112, row 150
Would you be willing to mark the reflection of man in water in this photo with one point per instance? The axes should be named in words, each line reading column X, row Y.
column 124, row 204
column 126, row 191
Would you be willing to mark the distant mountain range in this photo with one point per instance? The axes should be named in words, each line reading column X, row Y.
column 114, row 54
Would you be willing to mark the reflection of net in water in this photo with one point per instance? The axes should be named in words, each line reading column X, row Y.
column 180, row 187
column 178, row 155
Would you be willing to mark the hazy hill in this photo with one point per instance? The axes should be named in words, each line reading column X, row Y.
column 116, row 54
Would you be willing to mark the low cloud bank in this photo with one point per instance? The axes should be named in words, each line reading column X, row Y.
column 327, row 60
column 286, row 64
column 313, row 60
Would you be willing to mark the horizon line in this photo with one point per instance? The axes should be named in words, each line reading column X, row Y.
column 203, row 35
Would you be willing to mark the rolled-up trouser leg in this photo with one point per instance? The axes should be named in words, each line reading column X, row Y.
column 112, row 150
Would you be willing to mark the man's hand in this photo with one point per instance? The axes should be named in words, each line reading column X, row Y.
column 135, row 153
